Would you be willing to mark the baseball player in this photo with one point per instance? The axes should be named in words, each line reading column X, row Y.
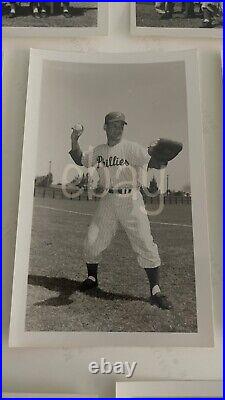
column 122, row 203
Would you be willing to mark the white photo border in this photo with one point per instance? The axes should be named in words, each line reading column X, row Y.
column 204, row 337
column 171, row 32
column 64, row 32
column 174, row 389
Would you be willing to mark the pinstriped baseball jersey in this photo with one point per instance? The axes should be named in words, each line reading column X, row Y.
column 119, row 165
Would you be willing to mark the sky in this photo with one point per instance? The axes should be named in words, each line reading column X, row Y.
column 152, row 97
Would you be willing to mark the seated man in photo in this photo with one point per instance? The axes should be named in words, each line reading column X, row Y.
column 211, row 10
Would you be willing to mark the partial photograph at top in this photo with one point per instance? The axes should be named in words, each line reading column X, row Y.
column 50, row 14
column 207, row 15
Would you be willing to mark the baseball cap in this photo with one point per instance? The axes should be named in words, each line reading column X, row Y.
column 115, row 116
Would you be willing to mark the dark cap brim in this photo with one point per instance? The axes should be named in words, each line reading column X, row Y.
column 116, row 120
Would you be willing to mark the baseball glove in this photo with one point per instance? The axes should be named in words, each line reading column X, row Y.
column 162, row 151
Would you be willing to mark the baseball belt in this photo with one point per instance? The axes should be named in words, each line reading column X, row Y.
column 120, row 190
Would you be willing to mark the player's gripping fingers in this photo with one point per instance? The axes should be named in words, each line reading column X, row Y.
column 77, row 130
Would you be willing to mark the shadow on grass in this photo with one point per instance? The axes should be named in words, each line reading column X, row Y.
column 67, row 287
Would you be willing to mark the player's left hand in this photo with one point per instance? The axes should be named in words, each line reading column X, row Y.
column 162, row 151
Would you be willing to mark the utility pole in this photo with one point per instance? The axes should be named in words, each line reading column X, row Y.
column 50, row 167
column 167, row 184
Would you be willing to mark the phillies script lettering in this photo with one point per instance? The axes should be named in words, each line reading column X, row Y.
column 111, row 162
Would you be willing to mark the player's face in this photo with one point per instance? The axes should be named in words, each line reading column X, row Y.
column 114, row 132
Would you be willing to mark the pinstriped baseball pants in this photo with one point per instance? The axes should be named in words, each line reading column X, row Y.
column 130, row 213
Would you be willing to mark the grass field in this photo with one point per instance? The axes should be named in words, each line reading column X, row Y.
column 147, row 16
column 81, row 17
column 120, row 304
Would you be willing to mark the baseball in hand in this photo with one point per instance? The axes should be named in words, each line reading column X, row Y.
column 77, row 130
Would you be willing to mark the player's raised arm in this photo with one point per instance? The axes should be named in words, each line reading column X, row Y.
column 76, row 152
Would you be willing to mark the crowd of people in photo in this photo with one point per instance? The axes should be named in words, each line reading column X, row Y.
column 209, row 11
column 37, row 9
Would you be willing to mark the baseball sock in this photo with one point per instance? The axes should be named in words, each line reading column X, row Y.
column 153, row 277
column 92, row 270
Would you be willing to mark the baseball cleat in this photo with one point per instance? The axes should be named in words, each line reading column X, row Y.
column 88, row 284
column 206, row 24
column 161, row 301
column 67, row 14
column 43, row 13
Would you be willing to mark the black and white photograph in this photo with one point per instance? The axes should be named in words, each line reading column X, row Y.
column 182, row 18
column 68, row 17
column 114, row 202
